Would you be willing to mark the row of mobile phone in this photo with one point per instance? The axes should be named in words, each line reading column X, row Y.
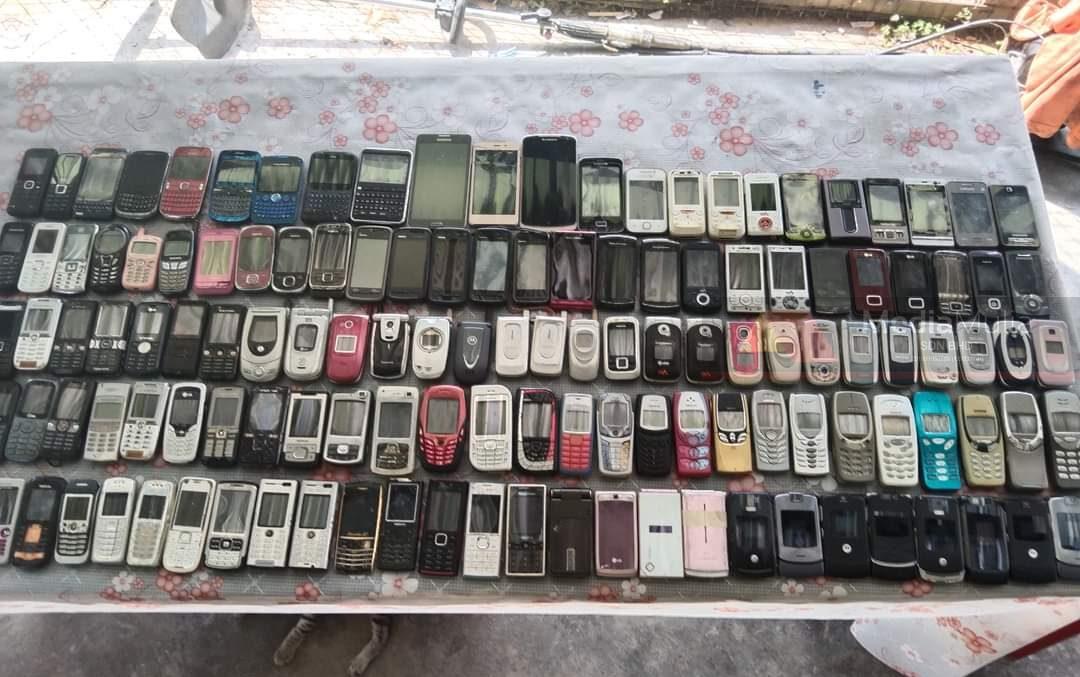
column 538, row 182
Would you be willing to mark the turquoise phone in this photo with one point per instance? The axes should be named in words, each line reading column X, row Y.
column 935, row 425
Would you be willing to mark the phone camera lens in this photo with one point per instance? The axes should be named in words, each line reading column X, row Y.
column 743, row 333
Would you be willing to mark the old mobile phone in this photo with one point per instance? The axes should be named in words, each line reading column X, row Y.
column 345, row 347
column 493, row 187
column 981, row 448
column 230, row 524
column 764, row 217
column 1015, row 217
column 233, row 186
column 660, row 276
column 141, row 264
column 107, row 259
column 789, row 289
column 106, row 422
column 441, row 540
column 490, row 437
column 472, row 355
column 491, row 265
column 11, row 318
column 845, row 207
column 745, row 265
column 646, row 201
column 39, row 262
column 984, row 526
column 751, row 534
column 852, row 437
column 547, row 350
column 526, row 527
column 572, row 271
column 744, row 358
column 935, row 424
column 974, row 341
column 860, row 339
column 152, row 512
column 1030, row 540
column 303, row 443
column 274, row 508
column 450, row 266
column 390, row 342
column 693, row 434
column 409, row 257
column 112, row 520
column 330, row 259
column 73, row 265
column 1014, row 355
column 144, row 420
column 346, row 432
column 845, row 537
column 215, row 262
column 13, row 243
column 829, row 280
column 1053, row 353
column 615, row 434
column 400, row 526
column 186, row 536
column 221, row 345
column 31, row 182
column 615, row 523
column 601, row 194
column 704, row 350
column 63, row 185
column 912, row 284
column 892, row 536
column 809, row 434
column 440, row 180
column 97, row 191
column 139, row 189
column 653, row 437
column 1023, row 436
column 537, row 430
column 731, row 433
column 512, row 345
column 1065, row 525
column 870, row 281
column 262, row 346
column 686, row 203
column 886, row 210
column 928, row 214
column 895, row 438
column 549, row 181
column 727, row 214
column 183, row 423
column 68, row 356
column 584, row 349
column 704, row 533
column 798, row 531
column 899, row 352
column 770, row 431
column 821, row 350
column 782, row 352
column 393, row 445
column 938, row 539
column 532, row 267
column 660, row 533
column 570, row 515
column 224, row 417
column 65, row 429
column 442, row 427
column 292, row 260
column 276, row 199
column 260, row 442
column 37, row 332
column 1028, row 287
column 184, row 341
column 185, row 183
column 254, row 258
column 305, row 346
column 992, row 298
column 937, row 354
column 382, row 186
column 359, row 539
column 34, row 535
column 313, row 531
column 702, row 283
column 662, row 347
column 369, row 263
column 177, row 254
column 108, row 342
column 9, row 399
column 576, row 434
column 804, row 220
column 973, row 220
column 622, row 348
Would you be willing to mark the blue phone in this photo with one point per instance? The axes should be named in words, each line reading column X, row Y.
column 277, row 191
column 935, row 424
column 233, row 187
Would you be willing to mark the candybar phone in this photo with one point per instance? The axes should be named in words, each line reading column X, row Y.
column 408, row 272
column 789, row 288
column 892, row 536
column 1013, row 353
column 1028, row 287
column 653, row 438
column 184, row 342
column 870, row 281
column 526, row 527
column 1015, row 217
column 262, row 345
column 270, row 533
column 221, row 346
column 731, row 433
column 13, row 242
column 63, row 185
column 809, row 434
column 886, row 210
column 782, row 352
column 537, row 430
column 302, row 446
column 72, row 337
column 1053, row 353
column 852, row 437
column 896, row 440
column 442, row 537
column 646, row 201
column 744, row 352
column 186, row 537
column 152, row 513
column 490, row 437
column 472, row 352
column 992, row 298
column 97, row 191
column 276, row 199
column 660, row 534
column 1065, row 525
column 845, row 538
column 491, row 265
column 292, row 260
column 763, row 212
column 576, row 434
column 305, row 346
column 37, row 334
column 570, row 515
column 440, row 180
column 146, row 341
column 745, row 265
column 393, row 444
column 254, row 258
column 704, row 533
column 108, row 258
column 230, row 524
column 860, row 339
column 615, row 434
column 65, row 429
column 912, row 285
column 981, row 448
column 622, row 348
column 572, row 271
column 899, row 352
column 390, row 342
column 106, row 422
column 382, row 186
column 442, row 427
column 974, row 341
column 727, row 214
column 144, row 420
column 704, row 350
column 548, row 346
column 662, row 346
column 821, row 351
column 532, row 267
column 601, row 194
column 112, row 520
column 493, row 188
column 973, row 220
column 141, row 182
column 928, row 214
column 224, row 418
column 751, row 534
column 686, row 203
column 1023, row 435
column 141, row 266
column 346, row 345
column 693, row 434
column 397, row 546
column 936, row 426
column 549, row 181
column 953, row 283
column 185, row 183
column 829, row 280
column 703, row 275
column 233, row 186
column 770, row 429
column 660, row 276
column 31, row 182
column 346, row 434
column 1030, row 540
column 260, row 442
column 937, row 354
column 450, row 266
column 804, row 220
column 845, row 207
column 34, row 535
column 359, row 527
column 39, row 262
column 177, row 254
column 938, row 539
column 984, row 526
column 11, row 317
column 215, row 262
column 109, row 340
column 330, row 259
column 798, row 527
column 313, row 530
column 73, row 265
column 615, row 524
column 183, row 423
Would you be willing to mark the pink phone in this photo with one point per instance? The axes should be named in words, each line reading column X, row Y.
column 215, row 261
column 345, row 348
column 704, row 518
column 254, row 258
column 141, row 265
column 616, row 533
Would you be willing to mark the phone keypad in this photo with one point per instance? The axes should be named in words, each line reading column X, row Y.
column 140, row 273
column 378, row 204
column 899, row 462
column 103, row 445
column 70, row 277
column 225, row 552
column 105, row 360
column 30, row 355
column 324, row 206
column 940, row 463
column 811, row 459
column 57, row 205
column 537, row 451
column 230, row 205
column 140, row 441
column 481, row 558
column 9, row 272
column 274, row 208
column 262, row 450
column 70, row 543
column 105, row 274
column 772, row 455
column 68, row 358
column 181, row 203
column 439, row 455
column 144, row 549
column 144, row 359
column 220, row 446
column 219, row 364
column 392, row 456
column 855, row 466
column 109, row 540
column 575, row 453
column 268, row 547
column 653, row 455
column 985, row 468
column 94, row 211
column 136, row 203
column 1067, row 467
column 356, row 554
column 25, row 440
column 525, row 558
column 616, row 457
column 62, row 441
column 439, row 554
column 173, row 277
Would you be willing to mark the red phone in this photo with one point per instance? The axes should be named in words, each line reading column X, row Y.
column 442, row 428
column 255, row 258
column 215, row 262
column 869, row 273
column 185, row 182
column 345, row 348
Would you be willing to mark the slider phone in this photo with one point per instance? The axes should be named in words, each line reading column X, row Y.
column 109, row 340
column 952, row 279
column 763, row 214
column 622, row 348
column 938, row 539
column 230, row 525
column 984, row 527
column 73, row 334
column 829, row 280
column 346, row 434
column 292, row 260
column 537, row 430
column 1030, row 540
column 1015, row 217
column 992, row 298
column 727, row 213
column 393, row 444
column 845, row 207
column 184, row 342
column 330, row 259
column 892, row 536
column 254, row 258
column 1027, row 283
column 751, row 535
column 870, row 281
column 845, row 536
column 686, row 203
column 798, row 527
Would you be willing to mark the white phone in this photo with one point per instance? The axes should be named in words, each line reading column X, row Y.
column 821, row 352
column 894, row 435
column 548, row 348
column 622, row 348
column 809, row 434
column 937, row 354
column 660, row 533
column 686, row 203
column 789, row 287
column 646, row 201
column 304, row 429
column 11, row 492
column 106, row 424
column 230, row 526
column 305, row 349
column 860, row 340
column 769, row 421
column 512, row 345
column 187, row 531
column 482, row 555
column 145, row 417
column 491, row 409
column 975, row 346
column 346, row 434
column 39, row 261
column 584, row 341
column 73, row 264
column 431, row 347
column 152, row 513
column 76, row 522
column 314, row 529
column 37, row 333
column 269, row 545
column 782, row 351
column 184, row 423
column 615, row 434
column 112, row 524
column 263, row 343
column 727, row 215
column 763, row 216
column 393, row 443
column 745, row 265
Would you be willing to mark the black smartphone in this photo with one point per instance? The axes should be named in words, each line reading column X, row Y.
column 659, row 275
column 845, row 542
column 572, row 256
column 952, row 283
column 396, row 550
column 913, row 287
column 330, row 259
column 601, row 194
column 444, row 527
column 491, row 265
column 990, row 280
column 450, row 266
column 141, row 181
column 174, row 266
column 549, row 181
column 31, row 182
column 11, row 317
column 107, row 259
column 109, row 340
column 68, row 356
column 440, row 180
column 703, row 275
column 146, row 342
column 616, row 272
column 184, row 342
column 14, row 240
column 292, row 260
column 409, row 255
column 570, row 532
column 1027, row 284
column 1015, row 216
column 331, row 179
column 892, row 536
column 96, row 195
column 751, row 534
column 63, row 185
column 369, row 262
column 221, row 347
column 829, row 284
column 532, row 267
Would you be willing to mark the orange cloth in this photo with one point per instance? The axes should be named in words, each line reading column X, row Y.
column 1052, row 95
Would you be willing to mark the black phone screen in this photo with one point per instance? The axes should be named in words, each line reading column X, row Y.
column 440, row 180
column 549, row 181
column 143, row 173
column 292, row 254
column 449, row 265
column 408, row 262
column 572, row 268
column 489, row 266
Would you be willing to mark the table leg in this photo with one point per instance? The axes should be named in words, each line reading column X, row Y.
column 286, row 651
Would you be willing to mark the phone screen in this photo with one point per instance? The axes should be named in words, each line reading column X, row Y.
column 661, row 268
column 314, row 510
column 870, row 270
column 66, row 169
column 408, row 262
column 440, row 180
column 281, row 177
column 236, row 170
column 263, row 330
column 1025, row 273
column 802, row 201
column 40, row 504
column 75, row 323
column 572, row 268
column 273, row 507
column 971, row 213
column 549, row 181
column 489, row 268
column 77, row 243
column 787, row 270
column 645, row 199
column 384, row 168
column 369, row 262
column 527, row 515
column 402, row 502
column 360, row 511
column 615, row 537
column 702, row 267
column 909, row 273
column 601, row 191
column 1015, row 216
column 305, row 417
column 619, row 262
column 829, row 274
column 443, row 509
column 798, row 528
column 762, row 197
column 744, row 271
column 442, row 416
column 189, row 167
column 190, row 506
column 45, row 241
column 185, row 409
column 13, row 240
column 885, row 204
column 224, row 328
column 114, row 504
column 348, row 418
column 331, row 250
column 188, row 320
column 215, row 258
column 231, row 515
column 686, row 191
column 927, row 211
column 143, row 172
column 395, row 419
column 177, row 246
column 449, row 258
column 34, row 164
column 111, row 319
column 223, row 412
column 536, row 419
column 102, row 175
column 990, row 276
column 256, row 253
column 843, row 193
column 332, row 173
column 265, row 413
column 484, row 512
column 71, row 401
column 725, row 192
column 951, row 275
column 495, row 186
column 531, row 265
column 293, row 254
